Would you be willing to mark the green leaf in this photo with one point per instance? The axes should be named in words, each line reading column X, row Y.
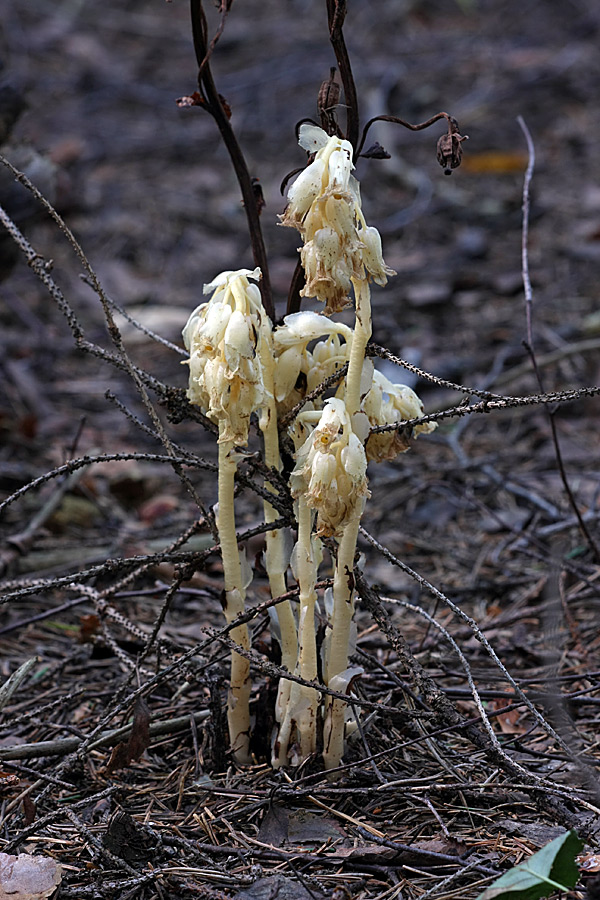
column 553, row 868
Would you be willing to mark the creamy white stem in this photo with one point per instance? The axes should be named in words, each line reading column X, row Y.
column 238, row 712
column 299, row 722
column 360, row 339
column 307, row 576
column 343, row 593
column 276, row 559
column 341, row 629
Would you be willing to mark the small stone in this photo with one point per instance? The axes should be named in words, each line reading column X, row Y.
column 508, row 284
column 472, row 242
column 428, row 293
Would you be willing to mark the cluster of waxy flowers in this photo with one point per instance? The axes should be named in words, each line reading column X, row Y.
column 386, row 404
column 299, row 370
column 331, row 468
column 223, row 338
column 324, row 205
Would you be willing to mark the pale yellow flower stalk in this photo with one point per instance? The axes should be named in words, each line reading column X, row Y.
column 330, row 477
column 340, row 256
column 238, row 710
column 343, row 592
column 297, row 736
column 277, row 554
column 296, row 708
column 225, row 338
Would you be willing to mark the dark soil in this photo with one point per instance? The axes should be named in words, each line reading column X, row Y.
column 478, row 509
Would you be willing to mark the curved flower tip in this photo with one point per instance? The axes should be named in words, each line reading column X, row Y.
column 293, row 359
column 305, row 326
column 343, row 681
column 372, row 255
column 224, row 278
column 302, row 194
column 324, row 205
column 388, row 404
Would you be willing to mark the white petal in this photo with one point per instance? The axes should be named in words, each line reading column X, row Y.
column 340, row 166
column 287, row 369
column 225, row 277
column 372, row 255
column 306, row 187
column 305, row 326
column 192, row 324
column 341, row 682
column 323, row 467
column 213, row 328
column 361, row 426
column 328, row 246
column 253, row 293
column 312, row 138
column 354, row 460
column 334, row 411
column 238, row 335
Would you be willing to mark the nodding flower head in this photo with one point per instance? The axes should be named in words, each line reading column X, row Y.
column 222, row 337
column 331, row 470
column 388, row 404
column 298, row 370
column 372, row 255
column 324, row 205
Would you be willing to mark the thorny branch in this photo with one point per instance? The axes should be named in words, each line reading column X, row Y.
column 486, row 406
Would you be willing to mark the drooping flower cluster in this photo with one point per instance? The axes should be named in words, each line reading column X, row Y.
column 331, row 468
column 324, row 205
column 299, row 370
column 223, row 339
column 387, row 404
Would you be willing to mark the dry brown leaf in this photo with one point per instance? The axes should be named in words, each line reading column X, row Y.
column 511, row 721
column 26, row 877
column 276, row 886
column 589, row 862
column 139, row 739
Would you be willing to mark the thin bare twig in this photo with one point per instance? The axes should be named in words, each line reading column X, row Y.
column 529, row 346
column 62, row 746
column 487, row 406
column 120, row 358
column 475, row 629
column 443, row 708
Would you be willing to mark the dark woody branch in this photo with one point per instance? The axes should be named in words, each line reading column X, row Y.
column 212, row 101
column 336, row 13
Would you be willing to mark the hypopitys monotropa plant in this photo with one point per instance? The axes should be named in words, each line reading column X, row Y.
column 240, row 366
column 229, row 341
